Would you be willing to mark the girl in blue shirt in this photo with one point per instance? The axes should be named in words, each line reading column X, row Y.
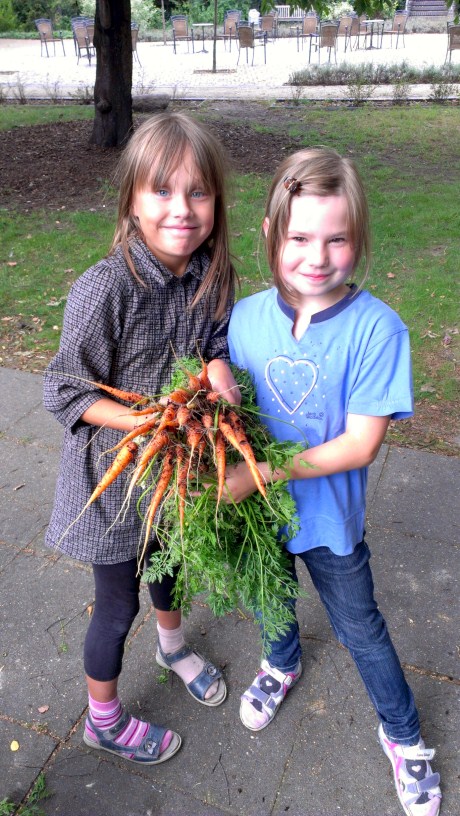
column 331, row 365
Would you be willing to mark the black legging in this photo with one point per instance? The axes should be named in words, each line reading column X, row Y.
column 116, row 605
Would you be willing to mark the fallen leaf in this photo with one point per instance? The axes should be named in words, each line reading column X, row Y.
column 43, row 709
column 427, row 388
column 14, row 745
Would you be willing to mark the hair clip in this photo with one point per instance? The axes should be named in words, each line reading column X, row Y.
column 291, row 184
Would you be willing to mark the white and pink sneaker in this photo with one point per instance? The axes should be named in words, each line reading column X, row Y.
column 416, row 784
column 261, row 701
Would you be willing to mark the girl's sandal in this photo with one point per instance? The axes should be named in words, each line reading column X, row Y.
column 147, row 753
column 266, row 694
column 204, row 680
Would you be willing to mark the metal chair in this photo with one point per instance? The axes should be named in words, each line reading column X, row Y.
column 83, row 46
column 358, row 29
column 134, row 39
column 345, row 25
column 181, row 31
column 327, row 38
column 453, row 40
column 308, row 28
column 231, row 20
column 398, row 26
column 248, row 38
column 45, row 30
column 79, row 21
column 268, row 24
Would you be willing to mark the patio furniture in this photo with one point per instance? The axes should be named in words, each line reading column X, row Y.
column 398, row 27
column 374, row 33
column 453, row 40
column 181, row 31
column 358, row 29
column 249, row 38
column 268, row 24
column 83, row 46
column 231, row 19
column 134, row 39
column 79, row 21
column 327, row 38
column 345, row 24
column 45, row 30
column 309, row 26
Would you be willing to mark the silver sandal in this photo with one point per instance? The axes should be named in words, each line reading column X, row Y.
column 204, row 680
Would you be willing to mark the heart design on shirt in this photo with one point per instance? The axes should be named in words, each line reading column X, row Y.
column 291, row 381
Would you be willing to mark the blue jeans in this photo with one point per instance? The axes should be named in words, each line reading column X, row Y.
column 346, row 588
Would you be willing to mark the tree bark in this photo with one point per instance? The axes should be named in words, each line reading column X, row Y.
column 114, row 72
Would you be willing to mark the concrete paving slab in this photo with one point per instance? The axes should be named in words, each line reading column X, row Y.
column 338, row 767
column 43, row 626
column 83, row 784
column 418, row 493
column 19, row 769
column 25, row 418
column 27, row 482
column 296, row 766
column 417, row 587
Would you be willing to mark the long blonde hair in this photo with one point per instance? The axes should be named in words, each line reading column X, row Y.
column 152, row 155
column 318, row 171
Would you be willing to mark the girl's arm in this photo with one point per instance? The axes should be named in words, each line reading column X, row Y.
column 112, row 414
column 223, row 381
column 357, row 447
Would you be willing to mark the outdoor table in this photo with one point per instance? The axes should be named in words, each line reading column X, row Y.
column 376, row 25
column 203, row 26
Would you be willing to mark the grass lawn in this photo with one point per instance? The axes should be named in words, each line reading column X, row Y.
column 410, row 161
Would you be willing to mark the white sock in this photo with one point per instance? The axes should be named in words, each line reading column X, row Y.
column 171, row 640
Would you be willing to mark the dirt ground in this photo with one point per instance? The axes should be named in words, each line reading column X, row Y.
column 54, row 166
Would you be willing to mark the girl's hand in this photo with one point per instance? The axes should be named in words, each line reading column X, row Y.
column 239, row 483
column 223, row 381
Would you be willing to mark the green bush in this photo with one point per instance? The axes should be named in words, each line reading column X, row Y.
column 8, row 21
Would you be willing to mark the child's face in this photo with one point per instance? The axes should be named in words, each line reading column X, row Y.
column 176, row 219
column 317, row 257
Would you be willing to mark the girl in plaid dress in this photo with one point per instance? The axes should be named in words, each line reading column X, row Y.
column 165, row 290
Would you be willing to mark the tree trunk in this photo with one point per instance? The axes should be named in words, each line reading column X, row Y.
column 114, row 71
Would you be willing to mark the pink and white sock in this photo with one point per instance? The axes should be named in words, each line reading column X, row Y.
column 171, row 640
column 106, row 715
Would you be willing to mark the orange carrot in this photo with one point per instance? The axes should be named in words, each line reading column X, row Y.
column 182, row 475
column 203, row 376
column 239, row 440
column 219, row 443
column 123, row 458
column 162, row 483
column 213, row 396
column 180, row 395
column 183, row 415
column 154, row 446
column 126, row 396
column 141, row 430
column 168, row 420
column 194, row 432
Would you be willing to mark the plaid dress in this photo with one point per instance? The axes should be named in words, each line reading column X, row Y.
column 126, row 335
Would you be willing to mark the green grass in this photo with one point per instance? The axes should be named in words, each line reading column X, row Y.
column 410, row 162
column 16, row 115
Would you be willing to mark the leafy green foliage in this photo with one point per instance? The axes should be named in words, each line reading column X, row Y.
column 232, row 553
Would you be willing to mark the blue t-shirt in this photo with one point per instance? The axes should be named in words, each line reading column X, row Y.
column 353, row 358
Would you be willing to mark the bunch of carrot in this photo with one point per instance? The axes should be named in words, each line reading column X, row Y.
column 192, row 428
column 178, row 456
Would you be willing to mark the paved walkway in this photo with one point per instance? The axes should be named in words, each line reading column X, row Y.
column 189, row 75
column 320, row 757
